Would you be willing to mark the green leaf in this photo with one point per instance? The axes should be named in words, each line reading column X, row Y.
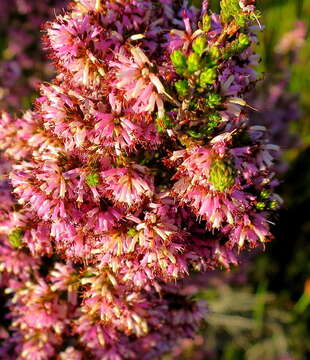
column 193, row 62
column 179, row 61
column 15, row 237
column 182, row 87
column 199, row 45
column 93, row 179
column 207, row 77
column 213, row 100
column 222, row 175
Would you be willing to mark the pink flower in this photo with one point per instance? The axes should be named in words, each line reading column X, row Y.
column 117, row 132
column 129, row 186
column 78, row 55
column 135, row 75
column 136, row 168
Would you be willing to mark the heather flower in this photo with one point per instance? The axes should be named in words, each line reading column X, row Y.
column 136, row 77
column 215, row 189
column 56, row 109
column 122, row 129
column 129, row 186
column 118, row 132
column 74, row 52
column 247, row 5
column 70, row 354
column 136, row 168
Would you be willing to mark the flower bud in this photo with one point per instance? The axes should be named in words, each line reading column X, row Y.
column 207, row 77
column 206, row 23
column 179, row 61
column 15, row 237
column 244, row 41
column 222, row 175
column 265, row 194
column 182, row 87
column 214, row 53
column 193, row 62
column 273, row 205
column 260, row 205
column 213, row 100
column 199, row 45
column 93, row 179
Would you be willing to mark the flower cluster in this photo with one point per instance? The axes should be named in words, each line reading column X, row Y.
column 137, row 167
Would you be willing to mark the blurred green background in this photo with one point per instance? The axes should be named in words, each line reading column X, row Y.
column 279, row 17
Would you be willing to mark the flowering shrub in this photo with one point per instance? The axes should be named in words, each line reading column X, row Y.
column 236, row 328
column 137, row 167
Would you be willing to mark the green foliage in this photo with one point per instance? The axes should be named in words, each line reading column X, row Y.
column 179, row 61
column 237, row 46
column 214, row 53
column 193, row 62
column 199, row 45
column 230, row 9
column 195, row 134
column 132, row 232
column 222, row 175
column 163, row 123
column 213, row 100
column 214, row 120
column 207, row 77
column 206, row 23
column 15, row 237
column 93, row 179
column 182, row 87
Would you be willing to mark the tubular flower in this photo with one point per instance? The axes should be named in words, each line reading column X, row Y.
column 136, row 168
column 136, row 77
column 127, row 186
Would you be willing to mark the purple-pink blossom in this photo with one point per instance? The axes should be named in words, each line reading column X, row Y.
column 136, row 167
